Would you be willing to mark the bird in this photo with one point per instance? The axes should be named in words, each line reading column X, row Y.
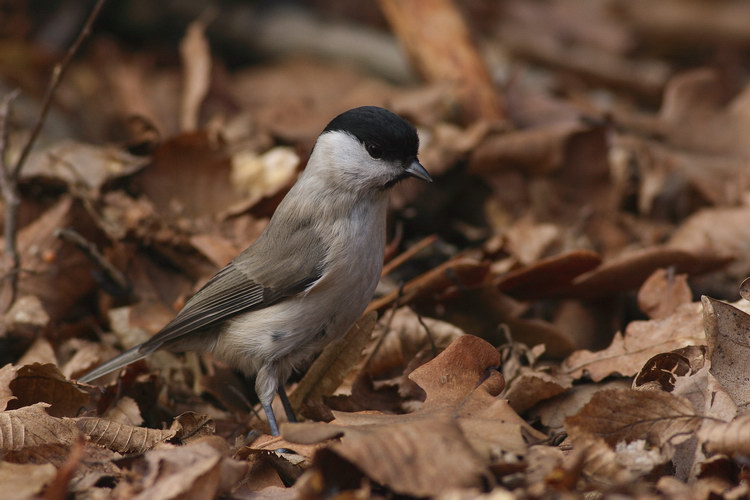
column 311, row 273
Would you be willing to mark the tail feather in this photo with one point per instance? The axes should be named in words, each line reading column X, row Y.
column 124, row 359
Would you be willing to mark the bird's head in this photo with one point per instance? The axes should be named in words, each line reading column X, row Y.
column 368, row 148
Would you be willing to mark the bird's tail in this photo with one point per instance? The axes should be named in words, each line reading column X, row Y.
column 124, row 359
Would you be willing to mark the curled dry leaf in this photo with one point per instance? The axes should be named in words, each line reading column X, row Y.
column 727, row 437
column 662, row 293
column 33, row 426
column 642, row 340
column 728, row 348
column 629, row 415
column 125, row 411
column 335, row 362
column 120, row 437
column 45, row 383
column 662, row 371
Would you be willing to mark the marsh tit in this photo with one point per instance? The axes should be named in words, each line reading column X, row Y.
column 312, row 272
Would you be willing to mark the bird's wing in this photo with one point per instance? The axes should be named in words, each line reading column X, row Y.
column 249, row 283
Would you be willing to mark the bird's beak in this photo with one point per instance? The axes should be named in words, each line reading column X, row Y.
column 417, row 170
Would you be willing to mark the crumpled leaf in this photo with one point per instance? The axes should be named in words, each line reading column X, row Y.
column 7, row 374
column 728, row 338
column 532, row 386
column 642, row 339
column 45, row 383
column 629, row 415
column 33, row 426
column 461, row 386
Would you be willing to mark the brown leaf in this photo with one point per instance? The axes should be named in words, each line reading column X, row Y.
column 190, row 426
column 120, row 437
column 662, row 371
column 39, row 383
column 24, row 481
column 662, row 293
column 125, row 411
column 629, row 415
column 642, row 340
column 33, row 426
column 553, row 412
column 335, row 362
column 544, row 277
column 533, row 386
column 728, row 348
column 630, row 270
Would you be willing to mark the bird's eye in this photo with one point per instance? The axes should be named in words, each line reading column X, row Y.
column 375, row 151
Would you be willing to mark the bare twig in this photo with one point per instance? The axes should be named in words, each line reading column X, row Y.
column 9, row 175
column 408, row 254
column 89, row 249
column 57, row 74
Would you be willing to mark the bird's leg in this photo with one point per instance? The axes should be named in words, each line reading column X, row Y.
column 271, row 419
column 287, row 404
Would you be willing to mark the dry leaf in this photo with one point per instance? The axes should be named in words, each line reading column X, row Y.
column 125, row 411
column 553, row 412
column 335, row 362
column 33, row 426
column 728, row 348
column 39, row 383
column 7, row 374
column 122, row 438
column 662, row 293
column 629, row 415
column 642, row 340
column 532, row 386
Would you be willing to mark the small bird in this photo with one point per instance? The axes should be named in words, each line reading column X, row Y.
column 311, row 273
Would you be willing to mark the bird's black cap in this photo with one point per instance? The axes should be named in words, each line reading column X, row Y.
column 379, row 130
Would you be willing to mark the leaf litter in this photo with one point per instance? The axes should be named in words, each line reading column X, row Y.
column 560, row 312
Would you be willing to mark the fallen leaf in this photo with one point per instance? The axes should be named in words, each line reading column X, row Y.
column 662, row 370
column 125, row 411
column 122, row 438
column 39, row 383
column 728, row 348
column 532, row 386
column 628, row 415
column 7, row 374
column 662, row 293
column 642, row 340
column 33, row 426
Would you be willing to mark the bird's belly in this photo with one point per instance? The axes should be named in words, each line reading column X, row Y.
column 294, row 330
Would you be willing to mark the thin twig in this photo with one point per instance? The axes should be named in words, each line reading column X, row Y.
column 57, row 75
column 9, row 190
column 9, row 175
column 408, row 254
